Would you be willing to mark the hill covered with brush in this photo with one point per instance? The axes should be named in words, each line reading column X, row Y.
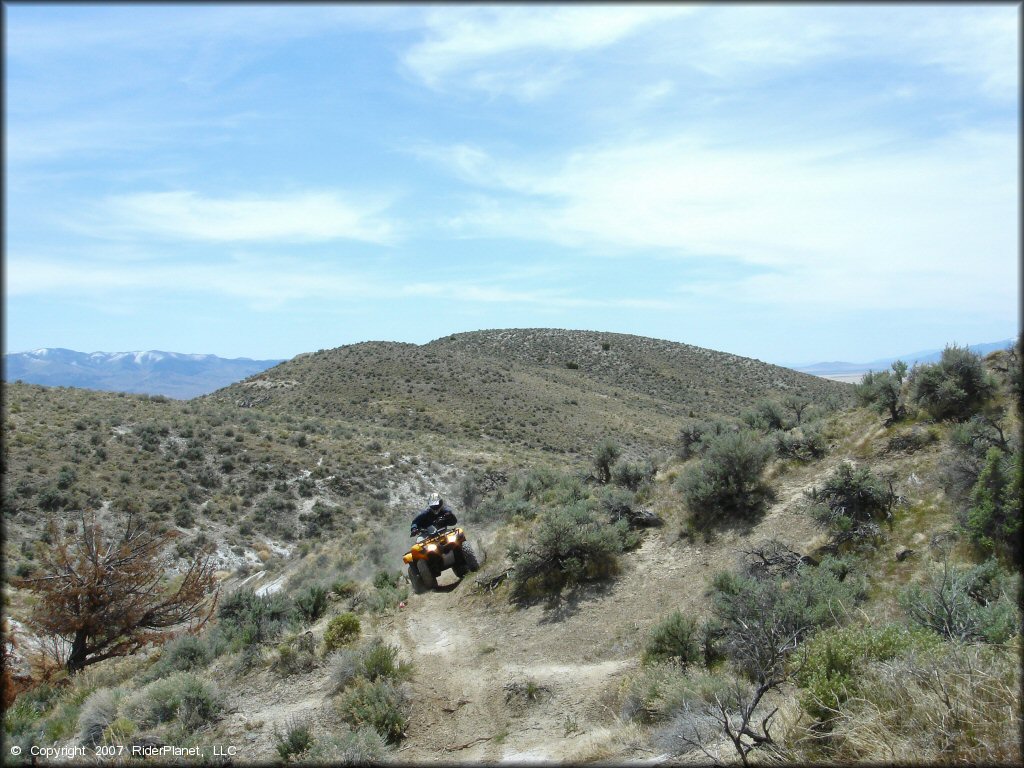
column 552, row 390
column 787, row 581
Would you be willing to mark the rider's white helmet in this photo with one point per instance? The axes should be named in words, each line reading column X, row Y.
column 435, row 501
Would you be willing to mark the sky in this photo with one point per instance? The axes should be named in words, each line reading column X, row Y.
column 793, row 183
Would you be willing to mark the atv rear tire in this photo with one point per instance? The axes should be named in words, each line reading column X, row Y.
column 414, row 578
column 427, row 579
column 469, row 557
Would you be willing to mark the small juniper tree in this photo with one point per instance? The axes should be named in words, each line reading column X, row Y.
column 605, row 456
column 797, row 404
column 993, row 515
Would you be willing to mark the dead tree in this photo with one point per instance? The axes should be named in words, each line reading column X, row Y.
column 107, row 594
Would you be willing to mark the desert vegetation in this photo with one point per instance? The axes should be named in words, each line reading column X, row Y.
column 831, row 545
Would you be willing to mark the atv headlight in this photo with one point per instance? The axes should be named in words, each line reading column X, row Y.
column 452, row 538
column 431, row 547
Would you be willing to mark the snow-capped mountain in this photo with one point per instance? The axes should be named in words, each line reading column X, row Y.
column 152, row 372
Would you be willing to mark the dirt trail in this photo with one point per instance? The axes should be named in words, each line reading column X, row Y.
column 495, row 683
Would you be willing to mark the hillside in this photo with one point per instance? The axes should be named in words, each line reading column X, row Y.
column 171, row 374
column 492, row 667
column 552, row 390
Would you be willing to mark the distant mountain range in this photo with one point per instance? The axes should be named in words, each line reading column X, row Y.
column 173, row 374
column 853, row 371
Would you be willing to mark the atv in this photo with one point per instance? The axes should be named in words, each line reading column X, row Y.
column 436, row 550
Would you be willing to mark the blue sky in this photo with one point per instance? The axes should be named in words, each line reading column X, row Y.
column 793, row 183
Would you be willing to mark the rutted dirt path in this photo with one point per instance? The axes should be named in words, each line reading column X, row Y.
column 496, row 683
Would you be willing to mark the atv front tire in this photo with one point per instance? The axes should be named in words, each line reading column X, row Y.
column 469, row 557
column 427, row 579
column 414, row 578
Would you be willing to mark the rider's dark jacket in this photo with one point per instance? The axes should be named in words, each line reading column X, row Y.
column 429, row 517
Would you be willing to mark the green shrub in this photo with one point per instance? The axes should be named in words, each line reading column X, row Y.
column 660, row 691
column 695, row 434
column 385, row 579
column 359, row 747
column 804, row 443
column 614, row 503
column 344, row 587
column 758, row 622
column 631, row 475
column 312, row 603
column 605, row 455
column 993, row 515
column 882, row 391
column 98, row 711
column 956, row 704
column 767, row 416
column 181, row 654
column 568, row 546
column 381, row 704
column 974, row 604
column 386, row 595
column 372, row 661
column 545, row 486
column 379, row 660
column 296, row 739
column 248, row 619
column 676, row 638
column 833, row 660
column 295, row 655
column 955, row 388
column 343, row 666
column 341, row 630
column 503, row 507
column 182, row 697
column 851, row 502
column 968, row 447
column 727, row 483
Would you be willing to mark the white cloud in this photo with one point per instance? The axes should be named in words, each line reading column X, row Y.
column 977, row 42
column 272, row 283
column 528, row 52
column 655, row 92
column 303, row 217
column 855, row 224
column 266, row 282
column 477, row 40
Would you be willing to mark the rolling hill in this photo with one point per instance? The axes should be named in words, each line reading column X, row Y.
column 552, row 390
column 299, row 482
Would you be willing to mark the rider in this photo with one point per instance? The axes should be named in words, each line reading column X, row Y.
column 437, row 514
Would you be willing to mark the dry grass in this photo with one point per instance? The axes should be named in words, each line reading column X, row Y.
column 959, row 705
